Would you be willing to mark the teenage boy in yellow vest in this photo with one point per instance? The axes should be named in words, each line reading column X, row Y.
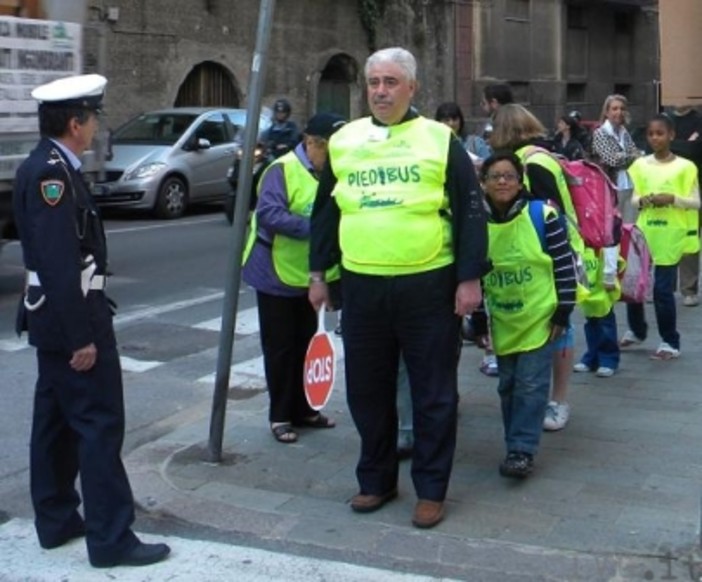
column 666, row 191
column 401, row 205
column 530, row 294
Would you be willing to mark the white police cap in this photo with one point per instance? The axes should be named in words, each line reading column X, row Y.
column 77, row 91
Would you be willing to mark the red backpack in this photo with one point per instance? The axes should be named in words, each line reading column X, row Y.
column 594, row 197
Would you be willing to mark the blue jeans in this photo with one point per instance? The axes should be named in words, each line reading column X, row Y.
column 602, row 344
column 664, row 279
column 525, row 381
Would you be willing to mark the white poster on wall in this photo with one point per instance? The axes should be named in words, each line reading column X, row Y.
column 33, row 52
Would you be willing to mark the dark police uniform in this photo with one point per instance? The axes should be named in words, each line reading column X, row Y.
column 78, row 422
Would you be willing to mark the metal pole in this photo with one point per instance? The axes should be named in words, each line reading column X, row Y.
column 236, row 247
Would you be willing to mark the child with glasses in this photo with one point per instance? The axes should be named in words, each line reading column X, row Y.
column 530, row 294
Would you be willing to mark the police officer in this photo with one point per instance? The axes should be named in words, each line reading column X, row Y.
column 407, row 219
column 78, row 421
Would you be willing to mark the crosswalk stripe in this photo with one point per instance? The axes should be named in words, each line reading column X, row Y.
column 22, row 559
column 13, row 345
column 138, row 366
column 246, row 322
column 155, row 310
column 251, row 373
column 246, row 374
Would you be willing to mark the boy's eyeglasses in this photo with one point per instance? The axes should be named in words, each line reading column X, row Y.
column 506, row 176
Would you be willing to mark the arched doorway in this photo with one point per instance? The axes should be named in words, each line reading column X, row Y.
column 208, row 85
column 335, row 85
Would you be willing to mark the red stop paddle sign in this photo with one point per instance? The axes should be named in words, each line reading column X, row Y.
column 320, row 367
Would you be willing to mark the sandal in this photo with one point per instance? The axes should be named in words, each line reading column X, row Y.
column 284, row 433
column 318, row 421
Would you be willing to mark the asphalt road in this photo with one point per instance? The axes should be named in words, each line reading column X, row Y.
column 167, row 276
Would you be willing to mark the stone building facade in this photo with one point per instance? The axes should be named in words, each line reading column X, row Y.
column 556, row 54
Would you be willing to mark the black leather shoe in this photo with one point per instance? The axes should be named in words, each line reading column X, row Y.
column 76, row 532
column 140, row 555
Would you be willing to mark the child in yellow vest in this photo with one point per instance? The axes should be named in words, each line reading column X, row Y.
column 666, row 191
column 530, row 294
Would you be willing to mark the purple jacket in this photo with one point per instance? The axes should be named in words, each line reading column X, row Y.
column 274, row 217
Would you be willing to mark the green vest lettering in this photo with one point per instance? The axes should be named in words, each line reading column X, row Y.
column 520, row 291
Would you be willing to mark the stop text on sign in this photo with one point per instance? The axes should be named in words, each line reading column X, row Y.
column 319, row 370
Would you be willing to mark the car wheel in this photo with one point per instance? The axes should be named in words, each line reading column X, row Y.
column 172, row 198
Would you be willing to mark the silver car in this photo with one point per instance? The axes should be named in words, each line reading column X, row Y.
column 164, row 160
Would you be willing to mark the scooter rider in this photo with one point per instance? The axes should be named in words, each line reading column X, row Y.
column 284, row 134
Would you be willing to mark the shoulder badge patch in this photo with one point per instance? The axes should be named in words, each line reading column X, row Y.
column 52, row 191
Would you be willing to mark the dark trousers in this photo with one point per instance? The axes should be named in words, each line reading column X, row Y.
column 381, row 318
column 664, row 279
column 78, row 427
column 287, row 325
column 602, row 344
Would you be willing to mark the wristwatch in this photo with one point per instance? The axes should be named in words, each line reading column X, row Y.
column 317, row 279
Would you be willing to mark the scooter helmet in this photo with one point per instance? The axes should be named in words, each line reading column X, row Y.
column 576, row 115
column 282, row 106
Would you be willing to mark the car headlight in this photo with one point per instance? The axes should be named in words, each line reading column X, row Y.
column 145, row 171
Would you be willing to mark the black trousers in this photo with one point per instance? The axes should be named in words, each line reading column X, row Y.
column 381, row 318
column 287, row 325
column 78, row 427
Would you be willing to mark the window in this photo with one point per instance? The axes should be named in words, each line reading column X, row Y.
column 213, row 130
column 518, row 9
column 575, row 18
column 623, row 89
column 624, row 23
column 520, row 91
column 575, row 93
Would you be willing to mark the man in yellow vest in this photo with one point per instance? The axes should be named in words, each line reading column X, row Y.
column 400, row 205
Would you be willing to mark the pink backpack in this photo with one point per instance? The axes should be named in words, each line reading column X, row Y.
column 594, row 197
column 636, row 277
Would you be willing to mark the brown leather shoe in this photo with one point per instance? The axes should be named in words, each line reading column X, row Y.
column 366, row 503
column 427, row 513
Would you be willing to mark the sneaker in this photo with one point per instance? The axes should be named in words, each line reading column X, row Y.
column 557, row 415
column 517, row 465
column 604, row 372
column 489, row 365
column 629, row 339
column 691, row 300
column 580, row 367
column 665, row 352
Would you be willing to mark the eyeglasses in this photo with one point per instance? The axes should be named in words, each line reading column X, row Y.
column 506, row 176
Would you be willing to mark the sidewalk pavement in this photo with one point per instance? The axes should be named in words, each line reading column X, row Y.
column 615, row 496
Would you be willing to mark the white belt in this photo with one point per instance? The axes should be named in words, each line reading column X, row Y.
column 97, row 282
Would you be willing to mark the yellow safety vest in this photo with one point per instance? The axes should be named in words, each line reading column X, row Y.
column 520, row 291
column 598, row 301
column 390, row 189
column 530, row 154
column 290, row 256
column 670, row 232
